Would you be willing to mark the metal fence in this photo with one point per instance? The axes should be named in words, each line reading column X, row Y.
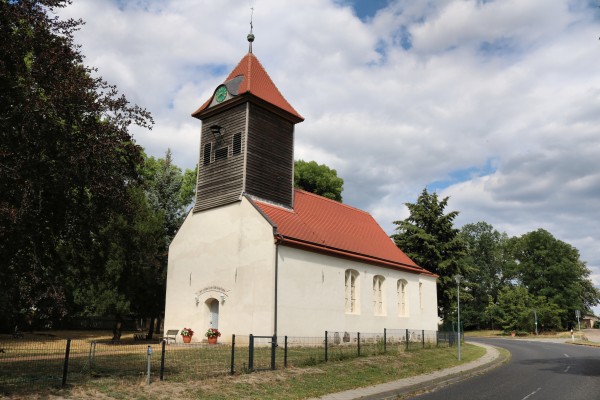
column 27, row 364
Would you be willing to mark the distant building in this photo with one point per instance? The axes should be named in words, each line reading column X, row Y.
column 257, row 256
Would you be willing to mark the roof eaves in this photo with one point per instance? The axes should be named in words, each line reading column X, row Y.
column 344, row 253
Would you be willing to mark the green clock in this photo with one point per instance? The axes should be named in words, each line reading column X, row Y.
column 221, row 94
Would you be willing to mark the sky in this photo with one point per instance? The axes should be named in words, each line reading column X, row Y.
column 494, row 104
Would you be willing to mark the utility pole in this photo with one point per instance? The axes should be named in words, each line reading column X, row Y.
column 458, row 278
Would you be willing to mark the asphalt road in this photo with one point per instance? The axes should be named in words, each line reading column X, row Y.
column 537, row 370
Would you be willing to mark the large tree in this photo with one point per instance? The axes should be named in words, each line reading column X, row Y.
column 551, row 268
column 66, row 156
column 318, row 179
column 127, row 274
column 429, row 238
column 486, row 253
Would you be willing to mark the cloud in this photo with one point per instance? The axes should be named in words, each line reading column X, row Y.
column 493, row 103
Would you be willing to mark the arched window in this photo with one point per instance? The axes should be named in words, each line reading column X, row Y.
column 378, row 294
column 402, row 298
column 351, row 292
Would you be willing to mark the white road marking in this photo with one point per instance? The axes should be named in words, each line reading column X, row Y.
column 566, row 369
column 566, row 355
column 532, row 393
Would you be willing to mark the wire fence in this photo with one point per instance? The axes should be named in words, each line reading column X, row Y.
column 31, row 364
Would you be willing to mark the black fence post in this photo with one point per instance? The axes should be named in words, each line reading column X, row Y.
column 437, row 339
column 66, row 364
column 162, row 359
column 358, row 341
column 285, row 353
column 326, row 347
column 385, row 340
column 273, row 350
column 251, row 353
column 407, row 340
column 232, row 354
column 423, row 337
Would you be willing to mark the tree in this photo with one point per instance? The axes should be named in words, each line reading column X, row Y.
column 428, row 237
column 517, row 309
column 318, row 179
column 551, row 268
column 66, row 157
column 486, row 253
column 128, row 273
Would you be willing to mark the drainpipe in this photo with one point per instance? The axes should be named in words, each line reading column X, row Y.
column 278, row 240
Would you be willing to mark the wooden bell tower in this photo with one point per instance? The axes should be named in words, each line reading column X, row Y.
column 247, row 140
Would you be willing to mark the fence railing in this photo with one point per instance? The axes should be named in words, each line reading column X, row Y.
column 30, row 364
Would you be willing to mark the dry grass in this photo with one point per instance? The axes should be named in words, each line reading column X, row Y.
column 291, row 383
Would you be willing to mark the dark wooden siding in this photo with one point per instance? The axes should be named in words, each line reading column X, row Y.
column 270, row 147
column 221, row 181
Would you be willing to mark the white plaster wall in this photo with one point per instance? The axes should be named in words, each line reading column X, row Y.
column 311, row 296
column 228, row 250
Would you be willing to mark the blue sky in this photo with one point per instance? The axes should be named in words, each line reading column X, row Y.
column 492, row 103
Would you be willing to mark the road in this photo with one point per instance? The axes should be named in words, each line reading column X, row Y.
column 537, row 370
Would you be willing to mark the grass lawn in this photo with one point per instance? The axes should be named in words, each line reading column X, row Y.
column 291, row 383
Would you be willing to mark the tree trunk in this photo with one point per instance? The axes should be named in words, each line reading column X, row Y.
column 117, row 329
column 151, row 329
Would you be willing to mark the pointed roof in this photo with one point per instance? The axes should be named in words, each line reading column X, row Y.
column 333, row 228
column 257, row 82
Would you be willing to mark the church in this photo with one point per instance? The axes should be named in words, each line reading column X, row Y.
column 257, row 256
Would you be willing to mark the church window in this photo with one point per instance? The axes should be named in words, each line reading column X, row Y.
column 421, row 295
column 402, row 298
column 378, row 294
column 221, row 154
column 351, row 295
column 237, row 143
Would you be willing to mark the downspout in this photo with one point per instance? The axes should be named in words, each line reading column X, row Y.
column 278, row 240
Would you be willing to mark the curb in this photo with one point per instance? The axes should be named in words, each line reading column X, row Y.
column 422, row 383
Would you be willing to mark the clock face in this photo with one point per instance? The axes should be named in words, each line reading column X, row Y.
column 221, row 94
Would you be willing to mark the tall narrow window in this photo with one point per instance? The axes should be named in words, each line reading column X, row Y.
column 421, row 295
column 402, row 303
column 378, row 294
column 237, row 143
column 351, row 291
column 206, row 153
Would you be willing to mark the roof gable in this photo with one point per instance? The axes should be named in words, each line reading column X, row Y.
column 257, row 82
column 331, row 227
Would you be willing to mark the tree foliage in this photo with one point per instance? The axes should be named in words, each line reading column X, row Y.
column 551, row 268
column 428, row 237
column 67, row 159
column 318, row 179
column 486, row 254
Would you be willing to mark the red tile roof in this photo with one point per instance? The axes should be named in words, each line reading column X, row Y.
column 333, row 228
column 257, row 82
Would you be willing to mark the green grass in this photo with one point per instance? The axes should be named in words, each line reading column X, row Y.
column 290, row 383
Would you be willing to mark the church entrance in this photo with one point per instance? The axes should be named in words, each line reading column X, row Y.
column 213, row 313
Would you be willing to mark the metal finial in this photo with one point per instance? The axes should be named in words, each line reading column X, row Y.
column 250, row 36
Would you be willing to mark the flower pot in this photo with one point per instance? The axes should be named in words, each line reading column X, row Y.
column 187, row 339
column 212, row 340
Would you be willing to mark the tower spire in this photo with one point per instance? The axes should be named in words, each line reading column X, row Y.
column 250, row 36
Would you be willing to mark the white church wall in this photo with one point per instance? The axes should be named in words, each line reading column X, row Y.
column 225, row 255
column 312, row 299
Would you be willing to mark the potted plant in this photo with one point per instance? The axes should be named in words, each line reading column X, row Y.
column 212, row 334
column 186, row 334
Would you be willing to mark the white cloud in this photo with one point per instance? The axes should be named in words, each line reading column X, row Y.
column 395, row 102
